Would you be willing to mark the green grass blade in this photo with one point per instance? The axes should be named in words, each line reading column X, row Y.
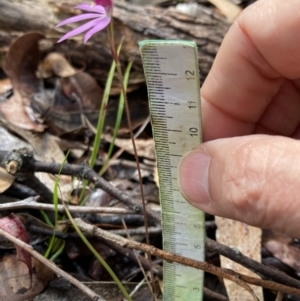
column 50, row 246
column 46, row 218
column 59, row 250
column 97, row 255
column 118, row 119
column 102, row 111
column 53, row 241
column 101, row 119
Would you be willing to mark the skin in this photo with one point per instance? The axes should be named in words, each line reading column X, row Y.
column 248, row 167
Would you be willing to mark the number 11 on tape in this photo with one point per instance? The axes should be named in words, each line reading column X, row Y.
column 171, row 71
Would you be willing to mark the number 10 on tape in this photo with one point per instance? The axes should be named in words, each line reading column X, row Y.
column 171, row 71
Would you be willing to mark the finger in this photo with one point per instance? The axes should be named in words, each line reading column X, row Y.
column 254, row 179
column 281, row 117
column 259, row 51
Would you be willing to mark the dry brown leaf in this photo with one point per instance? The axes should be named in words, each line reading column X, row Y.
column 20, row 66
column 227, row 8
column 12, row 225
column 29, row 222
column 15, row 281
column 22, row 61
column 247, row 240
column 282, row 247
column 47, row 150
column 6, row 180
column 72, row 106
column 13, row 110
column 9, row 140
column 5, row 85
column 86, row 88
column 145, row 147
column 279, row 296
column 56, row 64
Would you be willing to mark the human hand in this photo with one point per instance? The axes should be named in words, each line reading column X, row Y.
column 252, row 94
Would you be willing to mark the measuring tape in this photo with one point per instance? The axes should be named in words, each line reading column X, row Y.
column 171, row 71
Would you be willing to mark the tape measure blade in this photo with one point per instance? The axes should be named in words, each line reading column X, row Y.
column 172, row 76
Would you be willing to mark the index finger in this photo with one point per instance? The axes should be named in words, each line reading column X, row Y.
column 261, row 49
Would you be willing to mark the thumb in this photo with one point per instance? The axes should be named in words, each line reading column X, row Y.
column 253, row 179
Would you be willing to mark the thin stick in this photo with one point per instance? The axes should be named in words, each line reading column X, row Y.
column 238, row 278
column 121, row 150
column 251, row 264
column 51, row 265
column 120, row 75
column 27, row 163
column 32, row 203
column 137, row 258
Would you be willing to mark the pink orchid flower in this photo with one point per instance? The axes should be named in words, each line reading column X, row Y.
column 100, row 12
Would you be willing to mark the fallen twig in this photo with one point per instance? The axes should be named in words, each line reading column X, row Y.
column 213, row 295
column 258, row 268
column 27, row 163
column 32, row 203
column 91, row 294
column 238, row 278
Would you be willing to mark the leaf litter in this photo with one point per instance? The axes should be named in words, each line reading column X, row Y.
column 46, row 99
column 51, row 98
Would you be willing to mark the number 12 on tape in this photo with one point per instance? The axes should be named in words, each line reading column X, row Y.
column 171, row 71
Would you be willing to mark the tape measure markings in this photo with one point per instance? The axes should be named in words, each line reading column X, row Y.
column 171, row 71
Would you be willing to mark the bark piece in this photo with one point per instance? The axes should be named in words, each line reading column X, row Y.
column 134, row 22
column 247, row 240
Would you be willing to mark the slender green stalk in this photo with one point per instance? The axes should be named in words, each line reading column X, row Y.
column 59, row 251
column 55, row 196
column 55, row 243
column 118, row 119
column 97, row 255
column 50, row 246
column 120, row 75
column 46, row 218
column 101, row 119
column 102, row 111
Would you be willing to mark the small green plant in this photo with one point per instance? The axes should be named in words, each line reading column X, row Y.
column 56, row 245
column 98, row 256
column 100, row 16
column 118, row 119
column 101, row 120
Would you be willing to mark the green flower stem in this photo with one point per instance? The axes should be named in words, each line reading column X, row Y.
column 102, row 111
column 59, row 251
column 98, row 256
column 46, row 218
column 101, row 119
column 118, row 119
column 120, row 75
column 56, row 244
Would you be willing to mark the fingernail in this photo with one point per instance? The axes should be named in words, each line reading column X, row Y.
column 193, row 178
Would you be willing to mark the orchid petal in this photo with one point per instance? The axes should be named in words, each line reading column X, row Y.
column 77, row 19
column 104, row 3
column 107, row 4
column 78, row 30
column 92, row 8
column 101, row 24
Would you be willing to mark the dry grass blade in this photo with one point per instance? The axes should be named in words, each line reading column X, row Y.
column 279, row 296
